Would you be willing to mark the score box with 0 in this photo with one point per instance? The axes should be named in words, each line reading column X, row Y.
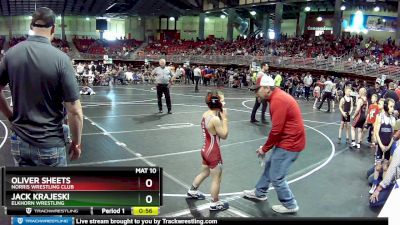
column 149, row 198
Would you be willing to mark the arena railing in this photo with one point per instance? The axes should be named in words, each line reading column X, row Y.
column 201, row 59
column 338, row 64
column 88, row 56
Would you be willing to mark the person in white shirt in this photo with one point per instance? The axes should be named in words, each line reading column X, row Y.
column 79, row 69
column 307, row 85
column 258, row 102
column 86, row 90
column 178, row 73
column 163, row 80
column 197, row 77
column 129, row 75
column 327, row 94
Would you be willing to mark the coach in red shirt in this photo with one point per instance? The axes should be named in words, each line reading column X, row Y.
column 287, row 139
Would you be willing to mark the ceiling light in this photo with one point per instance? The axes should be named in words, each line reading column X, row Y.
column 319, row 19
column 376, row 9
column 307, row 9
column 111, row 6
column 172, row 18
column 253, row 13
column 343, row 7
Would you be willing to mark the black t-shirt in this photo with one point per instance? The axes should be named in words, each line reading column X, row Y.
column 391, row 94
column 370, row 92
column 397, row 106
column 295, row 82
column 41, row 78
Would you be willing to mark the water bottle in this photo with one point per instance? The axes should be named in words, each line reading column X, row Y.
column 261, row 159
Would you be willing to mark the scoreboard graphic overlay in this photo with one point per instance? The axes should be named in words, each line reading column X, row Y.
column 82, row 191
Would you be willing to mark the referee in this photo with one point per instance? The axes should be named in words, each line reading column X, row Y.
column 163, row 81
column 259, row 101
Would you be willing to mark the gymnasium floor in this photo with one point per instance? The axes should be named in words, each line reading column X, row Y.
column 122, row 127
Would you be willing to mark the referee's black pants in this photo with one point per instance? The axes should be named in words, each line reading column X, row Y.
column 257, row 105
column 163, row 89
column 196, row 88
column 307, row 92
column 328, row 97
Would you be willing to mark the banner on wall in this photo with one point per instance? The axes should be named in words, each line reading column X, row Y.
column 362, row 23
column 381, row 23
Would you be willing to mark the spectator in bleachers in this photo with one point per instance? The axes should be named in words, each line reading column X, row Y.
column 80, row 69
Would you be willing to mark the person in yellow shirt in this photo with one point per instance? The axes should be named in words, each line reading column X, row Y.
column 278, row 80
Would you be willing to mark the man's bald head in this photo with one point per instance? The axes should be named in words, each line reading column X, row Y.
column 162, row 62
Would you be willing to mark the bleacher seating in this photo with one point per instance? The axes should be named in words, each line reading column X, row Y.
column 374, row 52
column 83, row 44
column 102, row 47
column 210, row 46
column 15, row 40
column 322, row 46
column 58, row 43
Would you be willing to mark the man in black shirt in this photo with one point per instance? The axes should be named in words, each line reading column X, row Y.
column 391, row 93
column 41, row 79
column 376, row 89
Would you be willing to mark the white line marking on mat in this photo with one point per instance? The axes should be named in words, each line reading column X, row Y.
column 151, row 129
column 296, row 179
column 244, row 104
column 141, row 158
column 6, row 134
column 148, row 114
column 161, row 155
column 197, row 208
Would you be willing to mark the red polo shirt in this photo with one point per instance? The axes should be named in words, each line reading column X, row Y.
column 287, row 130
